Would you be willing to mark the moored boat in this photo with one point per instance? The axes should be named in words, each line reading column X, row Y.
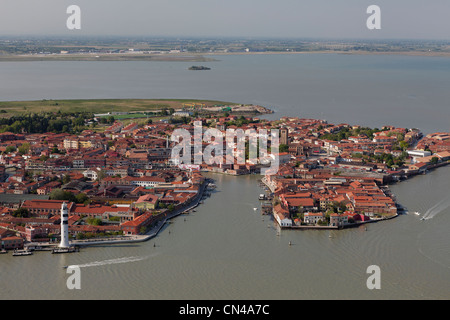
column 17, row 253
column 65, row 250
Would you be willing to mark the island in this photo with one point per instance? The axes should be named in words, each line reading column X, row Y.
column 199, row 68
column 117, row 181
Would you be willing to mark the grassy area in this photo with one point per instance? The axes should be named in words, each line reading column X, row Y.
column 9, row 108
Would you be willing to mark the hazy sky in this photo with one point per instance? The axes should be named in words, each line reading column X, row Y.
column 412, row 19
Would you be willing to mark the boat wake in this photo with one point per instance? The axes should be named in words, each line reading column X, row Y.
column 437, row 208
column 112, row 261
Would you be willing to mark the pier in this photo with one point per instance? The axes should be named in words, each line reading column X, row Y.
column 266, row 208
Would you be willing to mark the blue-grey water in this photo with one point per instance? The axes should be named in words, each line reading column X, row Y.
column 227, row 250
column 373, row 90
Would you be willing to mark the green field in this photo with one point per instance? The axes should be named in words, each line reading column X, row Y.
column 9, row 108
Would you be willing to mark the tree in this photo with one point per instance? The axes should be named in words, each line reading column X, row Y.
column 403, row 145
column 101, row 175
column 434, row 160
column 59, row 194
column 81, row 236
column 283, row 148
column 162, row 205
column 66, row 179
column 94, row 221
column 389, row 163
column 21, row 213
column 81, row 198
column 24, row 148
column 10, row 149
column 338, row 207
column 78, row 121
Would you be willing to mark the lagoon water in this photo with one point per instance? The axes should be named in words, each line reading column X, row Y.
column 226, row 249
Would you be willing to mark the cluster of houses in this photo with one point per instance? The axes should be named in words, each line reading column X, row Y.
column 121, row 175
column 327, row 183
column 326, row 201
column 124, row 176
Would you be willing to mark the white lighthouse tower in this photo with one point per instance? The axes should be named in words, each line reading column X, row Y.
column 64, row 226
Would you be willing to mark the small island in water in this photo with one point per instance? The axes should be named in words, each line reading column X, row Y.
column 199, row 68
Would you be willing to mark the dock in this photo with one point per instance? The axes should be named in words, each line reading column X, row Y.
column 65, row 250
column 266, row 208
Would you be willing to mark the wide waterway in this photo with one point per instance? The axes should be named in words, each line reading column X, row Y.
column 226, row 249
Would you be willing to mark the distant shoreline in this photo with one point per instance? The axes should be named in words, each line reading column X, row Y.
column 409, row 53
column 196, row 57
column 106, row 57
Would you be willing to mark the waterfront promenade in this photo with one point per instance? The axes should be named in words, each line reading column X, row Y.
column 151, row 233
column 124, row 239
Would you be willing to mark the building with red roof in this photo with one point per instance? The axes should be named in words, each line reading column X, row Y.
column 45, row 208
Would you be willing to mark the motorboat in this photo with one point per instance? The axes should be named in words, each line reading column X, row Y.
column 17, row 253
column 65, row 250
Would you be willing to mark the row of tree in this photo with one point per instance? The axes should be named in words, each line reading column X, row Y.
column 46, row 122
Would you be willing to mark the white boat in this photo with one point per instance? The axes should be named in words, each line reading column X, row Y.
column 17, row 253
column 64, row 250
column 418, row 213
